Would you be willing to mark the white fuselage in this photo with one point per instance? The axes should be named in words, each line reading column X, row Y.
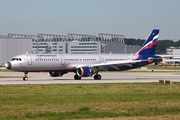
column 49, row 62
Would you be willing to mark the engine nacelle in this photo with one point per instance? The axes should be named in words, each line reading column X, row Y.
column 85, row 71
column 56, row 73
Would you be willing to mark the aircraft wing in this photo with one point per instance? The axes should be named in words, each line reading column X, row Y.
column 104, row 65
column 111, row 63
column 166, row 56
column 171, row 60
column 170, row 56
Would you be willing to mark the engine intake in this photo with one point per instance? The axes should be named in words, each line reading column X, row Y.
column 84, row 71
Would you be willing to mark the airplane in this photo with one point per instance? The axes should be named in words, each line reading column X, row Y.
column 85, row 65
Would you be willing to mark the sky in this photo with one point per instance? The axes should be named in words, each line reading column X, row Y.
column 131, row 18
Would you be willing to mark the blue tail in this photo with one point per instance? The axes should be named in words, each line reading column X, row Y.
column 149, row 46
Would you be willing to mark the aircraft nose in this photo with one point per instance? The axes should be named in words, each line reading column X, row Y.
column 8, row 65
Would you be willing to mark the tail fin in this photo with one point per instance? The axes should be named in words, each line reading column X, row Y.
column 149, row 46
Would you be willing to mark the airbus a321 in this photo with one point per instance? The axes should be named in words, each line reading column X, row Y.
column 85, row 65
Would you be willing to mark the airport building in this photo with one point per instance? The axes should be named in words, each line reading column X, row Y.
column 14, row 44
column 173, row 51
column 11, row 46
column 82, row 44
column 70, row 44
column 173, row 56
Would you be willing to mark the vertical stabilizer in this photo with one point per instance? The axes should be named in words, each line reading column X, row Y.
column 149, row 46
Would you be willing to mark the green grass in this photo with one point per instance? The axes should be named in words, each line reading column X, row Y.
column 82, row 101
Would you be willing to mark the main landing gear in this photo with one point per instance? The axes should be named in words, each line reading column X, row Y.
column 96, row 77
column 76, row 77
column 25, row 78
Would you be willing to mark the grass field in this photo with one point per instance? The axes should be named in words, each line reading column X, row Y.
column 90, row 101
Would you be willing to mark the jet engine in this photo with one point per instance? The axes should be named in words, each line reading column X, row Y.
column 56, row 73
column 85, row 71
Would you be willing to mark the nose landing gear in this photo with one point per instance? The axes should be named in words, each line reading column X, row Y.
column 25, row 78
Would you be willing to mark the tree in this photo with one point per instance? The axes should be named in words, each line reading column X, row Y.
column 161, row 46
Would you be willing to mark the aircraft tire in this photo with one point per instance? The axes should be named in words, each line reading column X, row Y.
column 97, row 77
column 76, row 77
column 25, row 78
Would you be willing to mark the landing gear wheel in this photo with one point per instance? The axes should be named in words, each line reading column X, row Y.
column 25, row 78
column 97, row 77
column 76, row 77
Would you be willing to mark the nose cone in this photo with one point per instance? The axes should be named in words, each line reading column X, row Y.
column 8, row 65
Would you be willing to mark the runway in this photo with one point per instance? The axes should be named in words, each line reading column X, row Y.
column 107, row 77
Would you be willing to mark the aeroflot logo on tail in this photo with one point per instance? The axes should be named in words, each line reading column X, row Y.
column 151, row 43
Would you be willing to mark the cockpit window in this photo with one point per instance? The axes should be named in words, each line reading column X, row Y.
column 13, row 59
column 17, row 59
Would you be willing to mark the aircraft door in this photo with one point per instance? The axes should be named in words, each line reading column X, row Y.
column 62, row 60
column 101, row 59
column 29, row 59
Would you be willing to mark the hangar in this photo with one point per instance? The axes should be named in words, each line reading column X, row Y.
column 11, row 45
column 14, row 44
